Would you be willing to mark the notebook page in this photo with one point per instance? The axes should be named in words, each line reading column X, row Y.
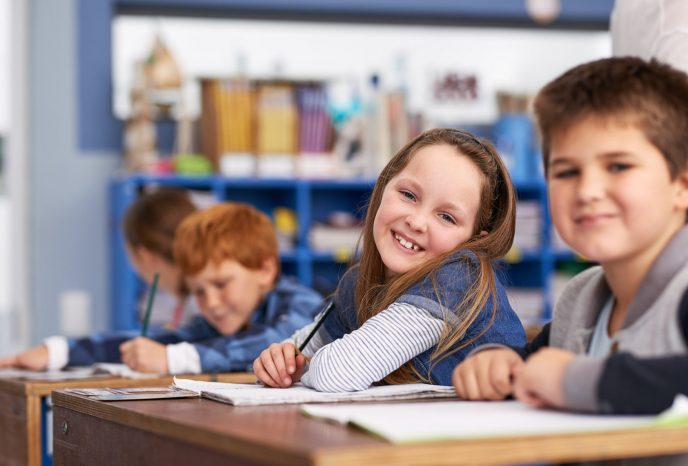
column 419, row 422
column 255, row 394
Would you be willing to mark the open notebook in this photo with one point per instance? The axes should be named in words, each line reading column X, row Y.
column 255, row 394
column 423, row 422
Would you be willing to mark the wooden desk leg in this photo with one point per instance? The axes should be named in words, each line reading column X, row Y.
column 33, row 429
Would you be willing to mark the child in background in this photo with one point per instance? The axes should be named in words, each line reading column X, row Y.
column 616, row 159
column 229, row 256
column 425, row 292
column 148, row 227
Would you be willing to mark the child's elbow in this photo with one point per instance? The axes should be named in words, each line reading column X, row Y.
column 333, row 379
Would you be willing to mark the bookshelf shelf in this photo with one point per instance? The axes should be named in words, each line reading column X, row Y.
column 528, row 270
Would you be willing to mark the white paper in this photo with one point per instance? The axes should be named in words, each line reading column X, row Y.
column 255, row 394
column 75, row 373
column 418, row 422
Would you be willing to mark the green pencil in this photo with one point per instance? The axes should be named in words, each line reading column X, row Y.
column 149, row 306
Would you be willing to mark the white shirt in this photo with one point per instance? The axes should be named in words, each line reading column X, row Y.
column 651, row 29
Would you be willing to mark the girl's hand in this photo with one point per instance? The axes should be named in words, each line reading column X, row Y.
column 540, row 381
column 279, row 366
column 486, row 375
column 35, row 359
column 144, row 355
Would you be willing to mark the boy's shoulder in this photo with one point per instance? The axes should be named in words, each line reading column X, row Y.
column 287, row 285
column 590, row 277
column 581, row 299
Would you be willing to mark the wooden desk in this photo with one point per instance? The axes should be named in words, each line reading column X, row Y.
column 25, row 412
column 199, row 431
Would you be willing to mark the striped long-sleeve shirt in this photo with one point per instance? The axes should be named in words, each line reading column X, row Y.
column 381, row 345
column 348, row 357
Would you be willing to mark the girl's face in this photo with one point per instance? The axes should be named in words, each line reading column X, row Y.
column 427, row 209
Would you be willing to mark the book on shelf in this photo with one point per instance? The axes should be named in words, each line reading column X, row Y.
column 276, row 119
column 227, row 115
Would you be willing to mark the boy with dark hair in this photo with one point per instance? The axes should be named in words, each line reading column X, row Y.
column 616, row 160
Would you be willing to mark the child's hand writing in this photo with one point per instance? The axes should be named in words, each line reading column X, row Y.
column 35, row 359
column 540, row 381
column 144, row 355
column 279, row 366
column 486, row 375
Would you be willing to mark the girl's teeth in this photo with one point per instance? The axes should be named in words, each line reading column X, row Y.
column 406, row 244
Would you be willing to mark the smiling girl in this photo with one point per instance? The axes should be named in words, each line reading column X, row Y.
column 425, row 292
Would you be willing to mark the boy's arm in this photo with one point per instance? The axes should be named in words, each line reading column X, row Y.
column 90, row 350
column 631, row 385
column 626, row 384
column 106, row 347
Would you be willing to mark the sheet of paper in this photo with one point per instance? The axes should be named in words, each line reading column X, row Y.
column 76, row 373
column 421, row 422
column 255, row 394
column 121, row 370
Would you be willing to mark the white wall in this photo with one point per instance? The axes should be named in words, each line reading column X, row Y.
column 503, row 59
column 5, row 65
column 5, row 226
column 12, row 181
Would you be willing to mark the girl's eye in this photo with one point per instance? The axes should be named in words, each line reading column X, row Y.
column 199, row 294
column 448, row 218
column 408, row 195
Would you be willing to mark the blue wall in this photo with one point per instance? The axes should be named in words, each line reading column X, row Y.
column 67, row 185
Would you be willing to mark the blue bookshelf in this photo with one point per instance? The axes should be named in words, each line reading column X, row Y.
column 312, row 201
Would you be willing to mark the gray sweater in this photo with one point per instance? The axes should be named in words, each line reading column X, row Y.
column 649, row 364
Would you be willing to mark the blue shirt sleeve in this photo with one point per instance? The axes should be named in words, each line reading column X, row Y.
column 104, row 347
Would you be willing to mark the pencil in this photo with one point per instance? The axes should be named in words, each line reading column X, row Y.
column 149, row 306
column 324, row 315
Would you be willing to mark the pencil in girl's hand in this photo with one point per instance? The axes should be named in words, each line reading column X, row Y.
column 323, row 316
column 149, row 306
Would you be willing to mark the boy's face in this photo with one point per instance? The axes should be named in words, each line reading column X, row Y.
column 427, row 209
column 228, row 293
column 611, row 195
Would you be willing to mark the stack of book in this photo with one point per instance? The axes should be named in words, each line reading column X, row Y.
column 268, row 122
column 227, row 117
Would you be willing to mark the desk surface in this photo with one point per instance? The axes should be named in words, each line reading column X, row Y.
column 45, row 387
column 22, row 409
column 282, row 435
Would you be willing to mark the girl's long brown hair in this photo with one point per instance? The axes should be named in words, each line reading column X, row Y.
column 496, row 215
